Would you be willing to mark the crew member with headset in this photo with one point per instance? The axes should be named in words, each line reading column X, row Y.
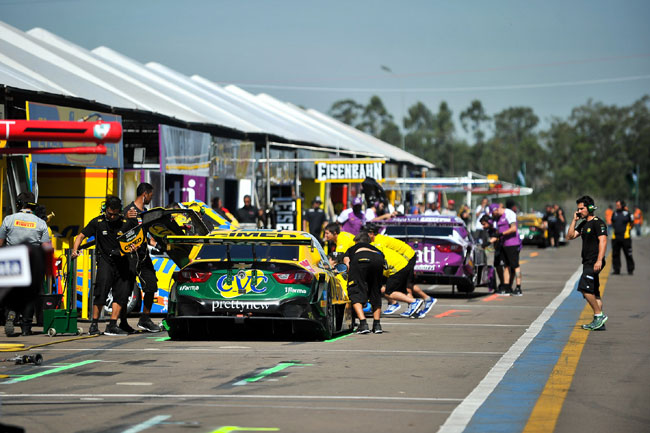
column 622, row 222
column 593, row 232
column 144, row 267
column 113, row 269
column 23, row 227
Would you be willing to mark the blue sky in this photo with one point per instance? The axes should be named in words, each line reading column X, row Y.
column 551, row 56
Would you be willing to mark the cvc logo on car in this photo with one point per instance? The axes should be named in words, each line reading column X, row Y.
column 242, row 283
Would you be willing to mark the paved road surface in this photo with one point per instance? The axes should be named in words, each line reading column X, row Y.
column 474, row 364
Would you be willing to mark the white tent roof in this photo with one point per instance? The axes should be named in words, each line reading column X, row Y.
column 41, row 61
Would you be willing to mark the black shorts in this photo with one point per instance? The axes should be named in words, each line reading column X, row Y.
column 147, row 275
column 510, row 256
column 398, row 281
column 364, row 278
column 117, row 277
column 589, row 280
column 498, row 256
column 410, row 282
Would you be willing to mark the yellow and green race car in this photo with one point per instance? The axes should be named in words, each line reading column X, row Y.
column 231, row 281
column 532, row 230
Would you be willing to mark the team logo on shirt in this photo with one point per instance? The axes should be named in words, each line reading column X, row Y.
column 589, row 230
column 25, row 224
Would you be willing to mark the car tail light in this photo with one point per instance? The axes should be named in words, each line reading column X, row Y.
column 191, row 276
column 293, row 277
column 449, row 248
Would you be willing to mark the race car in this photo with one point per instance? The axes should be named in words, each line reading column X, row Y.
column 234, row 281
column 532, row 230
column 446, row 252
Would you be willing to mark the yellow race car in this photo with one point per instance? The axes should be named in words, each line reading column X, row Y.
column 532, row 230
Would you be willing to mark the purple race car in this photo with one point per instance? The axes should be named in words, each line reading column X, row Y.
column 446, row 252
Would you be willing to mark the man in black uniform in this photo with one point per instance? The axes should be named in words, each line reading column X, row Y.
column 144, row 267
column 248, row 214
column 314, row 219
column 113, row 270
column 366, row 266
column 593, row 232
column 622, row 222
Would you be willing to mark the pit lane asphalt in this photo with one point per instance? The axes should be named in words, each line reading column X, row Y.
column 416, row 377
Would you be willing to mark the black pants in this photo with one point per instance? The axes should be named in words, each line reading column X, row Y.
column 115, row 275
column 364, row 278
column 626, row 246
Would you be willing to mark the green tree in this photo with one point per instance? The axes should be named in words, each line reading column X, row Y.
column 473, row 119
column 347, row 111
column 375, row 118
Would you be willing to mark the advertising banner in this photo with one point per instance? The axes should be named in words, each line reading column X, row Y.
column 113, row 158
column 184, row 152
column 351, row 171
column 185, row 188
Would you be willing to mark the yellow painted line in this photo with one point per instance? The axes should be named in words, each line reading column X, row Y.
column 523, row 262
column 549, row 404
column 534, row 254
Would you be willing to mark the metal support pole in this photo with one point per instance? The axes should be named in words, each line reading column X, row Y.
column 268, row 171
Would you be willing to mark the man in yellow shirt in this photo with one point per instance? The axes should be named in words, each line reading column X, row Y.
column 336, row 240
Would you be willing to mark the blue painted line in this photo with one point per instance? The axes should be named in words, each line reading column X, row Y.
column 509, row 406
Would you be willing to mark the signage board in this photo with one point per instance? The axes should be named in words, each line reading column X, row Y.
column 351, row 171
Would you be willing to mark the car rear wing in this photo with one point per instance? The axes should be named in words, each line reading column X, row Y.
column 237, row 237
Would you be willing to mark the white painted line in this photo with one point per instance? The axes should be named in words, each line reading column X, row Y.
column 488, row 305
column 464, row 412
column 345, row 408
column 285, row 350
column 238, row 397
column 134, row 383
column 147, row 424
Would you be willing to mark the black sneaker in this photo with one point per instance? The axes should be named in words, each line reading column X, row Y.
column 9, row 324
column 376, row 328
column 517, row 292
column 26, row 331
column 146, row 324
column 114, row 330
column 124, row 326
column 94, row 329
column 363, row 328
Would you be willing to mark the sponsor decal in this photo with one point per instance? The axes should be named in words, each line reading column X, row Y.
column 425, row 267
column 295, row 290
column 184, row 288
column 239, row 305
column 101, row 130
column 264, row 235
column 305, row 263
column 242, row 283
column 25, row 224
column 426, row 255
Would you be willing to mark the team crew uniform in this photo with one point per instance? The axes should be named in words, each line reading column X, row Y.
column 113, row 269
column 22, row 227
column 589, row 232
column 364, row 275
column 622, row 222
column 18, row 228
column 144, row 268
